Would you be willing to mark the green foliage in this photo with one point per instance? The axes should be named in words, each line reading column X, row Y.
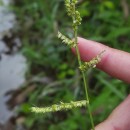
column 38, row 24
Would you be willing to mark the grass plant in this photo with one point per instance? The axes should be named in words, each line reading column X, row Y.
column 76, row 21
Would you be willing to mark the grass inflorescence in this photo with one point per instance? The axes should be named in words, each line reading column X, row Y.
column 60, row 107
column 83, row 66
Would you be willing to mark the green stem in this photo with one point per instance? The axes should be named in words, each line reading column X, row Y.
column 84, row 80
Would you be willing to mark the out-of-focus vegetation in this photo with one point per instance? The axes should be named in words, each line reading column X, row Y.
column 52, row 67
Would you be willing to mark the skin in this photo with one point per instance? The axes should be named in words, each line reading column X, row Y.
column 117, row 64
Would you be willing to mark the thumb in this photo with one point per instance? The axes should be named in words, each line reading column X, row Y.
column 119, row 119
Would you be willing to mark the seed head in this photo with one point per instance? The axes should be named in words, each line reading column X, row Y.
column 60, row 107
column 92, row 63
column 66, row 40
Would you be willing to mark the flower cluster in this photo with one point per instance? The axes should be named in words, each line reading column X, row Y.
column 61, row 106
column 92, row 63
column 78, row 19
column 70, row 7
column 66, row 40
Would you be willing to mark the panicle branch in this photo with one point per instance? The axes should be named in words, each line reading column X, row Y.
column 66, row 40
column 60, row 107
column 92, row 63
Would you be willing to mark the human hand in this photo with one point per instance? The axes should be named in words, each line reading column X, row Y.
column 117, row 64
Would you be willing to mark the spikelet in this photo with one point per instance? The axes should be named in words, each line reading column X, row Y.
column 60, row 107
column 92, row 63
column 66, row 40
column 77, row 20
column 75, row 1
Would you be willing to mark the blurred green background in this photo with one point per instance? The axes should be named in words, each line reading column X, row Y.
column 53, row 67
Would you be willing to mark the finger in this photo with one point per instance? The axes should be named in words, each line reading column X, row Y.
column 114, row 62
column 119, row 119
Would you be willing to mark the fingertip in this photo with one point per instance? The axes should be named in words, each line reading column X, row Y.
column 114, row 62
column 89, row 49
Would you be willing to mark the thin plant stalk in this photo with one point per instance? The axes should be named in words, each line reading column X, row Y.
column 83, row 77
column 86, row 89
